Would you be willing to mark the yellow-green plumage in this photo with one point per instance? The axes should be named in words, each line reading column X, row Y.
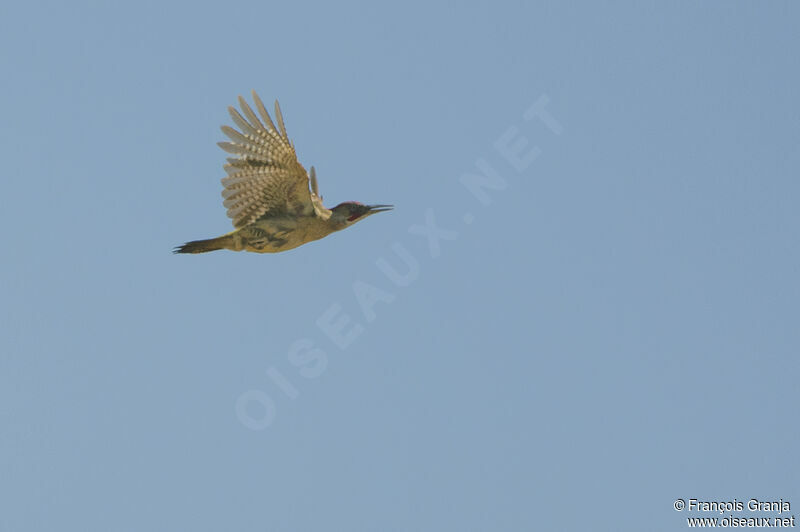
column 267, row 191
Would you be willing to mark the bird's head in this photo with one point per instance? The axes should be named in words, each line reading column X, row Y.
column 353, row 211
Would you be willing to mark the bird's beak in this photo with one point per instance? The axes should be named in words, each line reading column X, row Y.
column 379, row 208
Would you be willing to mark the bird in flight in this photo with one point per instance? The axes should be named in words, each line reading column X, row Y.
column 267, row 191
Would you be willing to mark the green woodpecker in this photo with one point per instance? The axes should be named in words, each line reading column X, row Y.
column 267, row 191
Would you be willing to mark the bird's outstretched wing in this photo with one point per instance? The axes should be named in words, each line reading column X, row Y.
column 266, row 176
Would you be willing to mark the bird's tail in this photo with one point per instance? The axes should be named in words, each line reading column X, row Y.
column 203, row 246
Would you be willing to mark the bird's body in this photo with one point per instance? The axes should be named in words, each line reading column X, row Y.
column 269, row 235
column 267, row 191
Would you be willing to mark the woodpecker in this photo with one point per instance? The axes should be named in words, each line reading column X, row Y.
column 267, row 191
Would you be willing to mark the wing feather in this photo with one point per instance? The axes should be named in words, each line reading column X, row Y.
column 243, row 124
column 237, row 137
column 279, row 118
column 251, row 116
column 263, row 111
column 313, row 178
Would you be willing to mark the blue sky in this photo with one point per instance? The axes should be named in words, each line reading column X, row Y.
column 615, row 328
